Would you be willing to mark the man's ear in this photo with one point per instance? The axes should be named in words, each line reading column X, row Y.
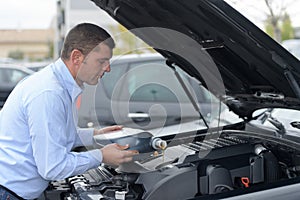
column 76, row 57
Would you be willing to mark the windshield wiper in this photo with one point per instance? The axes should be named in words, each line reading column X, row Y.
column 186, row 90
column 276, row 123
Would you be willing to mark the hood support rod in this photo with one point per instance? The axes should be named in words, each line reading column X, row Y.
column 186, row 90
column 291, row 79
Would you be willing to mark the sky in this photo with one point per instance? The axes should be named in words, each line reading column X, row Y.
column 26, row 14
column 37, row 14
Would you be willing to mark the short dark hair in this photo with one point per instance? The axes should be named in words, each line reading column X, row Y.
column 85, row 37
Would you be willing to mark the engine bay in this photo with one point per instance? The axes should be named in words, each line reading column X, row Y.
column 205, row 166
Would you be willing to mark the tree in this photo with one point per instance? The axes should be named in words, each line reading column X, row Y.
column 287, row 31
column 16, row 54
column 128, row 43
column 276, row 18
column 51, row 50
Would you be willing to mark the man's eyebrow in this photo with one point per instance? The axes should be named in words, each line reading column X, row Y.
column 103, row 58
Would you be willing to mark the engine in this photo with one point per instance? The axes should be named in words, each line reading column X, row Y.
column 183, row 171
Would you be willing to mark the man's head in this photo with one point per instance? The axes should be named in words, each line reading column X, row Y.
column 86, row 51
column 85, row 37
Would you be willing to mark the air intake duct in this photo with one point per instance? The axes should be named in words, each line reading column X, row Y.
column 271, row 166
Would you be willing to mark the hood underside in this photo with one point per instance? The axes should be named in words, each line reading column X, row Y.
column 256, row 72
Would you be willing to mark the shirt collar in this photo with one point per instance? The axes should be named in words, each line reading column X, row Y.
column 65, row 77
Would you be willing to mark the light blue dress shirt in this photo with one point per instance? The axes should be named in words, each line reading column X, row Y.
column 38, row 131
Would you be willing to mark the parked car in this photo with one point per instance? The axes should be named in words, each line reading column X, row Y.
column 37, row 66
column 231, row 156
column 10, row 75
column 7, row 60
column 142, row 92
column 293, row 46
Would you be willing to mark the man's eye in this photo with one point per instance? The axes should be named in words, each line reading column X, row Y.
column 102, row 62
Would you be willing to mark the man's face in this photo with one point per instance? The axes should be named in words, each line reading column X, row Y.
column 95, row 64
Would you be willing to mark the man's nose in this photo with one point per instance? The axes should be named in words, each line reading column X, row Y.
column 107, row 68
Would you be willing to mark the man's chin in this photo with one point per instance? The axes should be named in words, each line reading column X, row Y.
column 94, row 82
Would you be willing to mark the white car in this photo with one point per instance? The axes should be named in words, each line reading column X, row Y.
column 293, row 46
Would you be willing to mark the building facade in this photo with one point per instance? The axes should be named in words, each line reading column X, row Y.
column 34, row 44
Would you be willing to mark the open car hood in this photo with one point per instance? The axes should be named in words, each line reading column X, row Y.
column 255, row 71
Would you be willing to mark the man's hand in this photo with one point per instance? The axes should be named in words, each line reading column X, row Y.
column 115, row 154
column 107, row 129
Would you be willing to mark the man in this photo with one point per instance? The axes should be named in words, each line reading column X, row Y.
column 38, row 121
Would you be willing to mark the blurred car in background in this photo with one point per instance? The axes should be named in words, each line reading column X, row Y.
column 37, row 66
column 10, row 75
column 7, row 60
column 293, row 46
column 151, row 91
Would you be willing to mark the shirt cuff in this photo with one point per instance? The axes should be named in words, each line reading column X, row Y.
column 95, row 157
